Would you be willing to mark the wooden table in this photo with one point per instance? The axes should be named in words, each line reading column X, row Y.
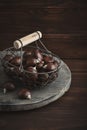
column 64, row 27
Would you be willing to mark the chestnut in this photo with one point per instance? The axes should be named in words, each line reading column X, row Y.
column 16, row 71
column 32, row 75
column 27, row 54
column 24, row 94
column 56, row 63
column 8, row 86
column 31, row 69
column 50, row 67
column 8, row 57
column 38, row 55
column 9, row 70
column 16, row 61
column 31, row 61
column 13, row 71
column 43, row 77
column 48, row 58
column 40, row 65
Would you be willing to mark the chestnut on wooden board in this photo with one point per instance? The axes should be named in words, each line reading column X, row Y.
column 8, row 86
column 24, row 94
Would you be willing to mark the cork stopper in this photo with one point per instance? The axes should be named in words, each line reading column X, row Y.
column 27, row 40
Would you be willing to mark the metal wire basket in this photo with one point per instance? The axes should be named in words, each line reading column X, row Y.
column 30, row 79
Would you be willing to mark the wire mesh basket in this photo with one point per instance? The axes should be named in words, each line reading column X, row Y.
column 35, row 66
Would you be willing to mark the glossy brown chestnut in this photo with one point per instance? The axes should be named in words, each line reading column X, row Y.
column 31, row 61
column 27, row 54
column 50, row 67
column 56, row 63
column 31, row 69
column 16, row 61
column 40, row 65
column 9, row 70
column 43, row 77
column 8, row 86
column 8, row 57
column 16, row 71
column 48, row 59
column 13, row 71
column 37, row 54
column 24, row 94
column 33, row 75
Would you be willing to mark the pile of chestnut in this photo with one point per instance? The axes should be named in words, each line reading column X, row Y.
column 38, row 68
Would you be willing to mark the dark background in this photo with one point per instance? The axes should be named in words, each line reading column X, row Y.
column 64, row 27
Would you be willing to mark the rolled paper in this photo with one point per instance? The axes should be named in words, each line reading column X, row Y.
column 27, row 40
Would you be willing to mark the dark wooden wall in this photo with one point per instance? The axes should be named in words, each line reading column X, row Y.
column 64, row 27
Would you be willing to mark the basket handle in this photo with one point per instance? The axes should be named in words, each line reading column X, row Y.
column 27, row 40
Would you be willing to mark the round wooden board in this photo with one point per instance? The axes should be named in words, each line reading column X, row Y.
column 40, row 97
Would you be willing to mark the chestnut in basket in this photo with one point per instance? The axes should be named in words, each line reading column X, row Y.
column 31, row 69
column 56, row 63
column 16, row 71
column 32, row 75
column 38, row 55
column 50, row 67
column 40, row 65
column 16, row 61
column 48, row 58
column 8, row 57
column 31, row 61
column 43, row 77
column 27, row 54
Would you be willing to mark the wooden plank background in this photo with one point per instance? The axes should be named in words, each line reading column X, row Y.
column 64, row 27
